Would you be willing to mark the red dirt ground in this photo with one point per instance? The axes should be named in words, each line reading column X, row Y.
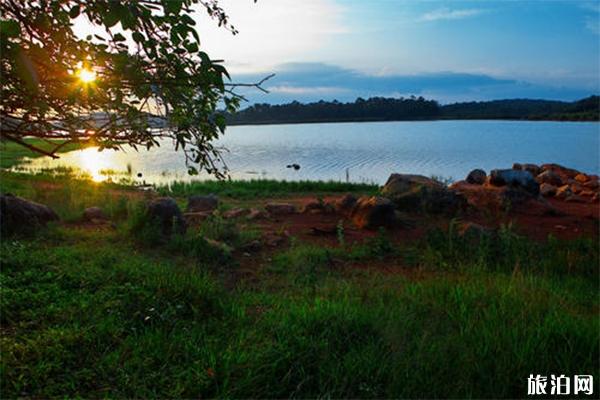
column 574, row 220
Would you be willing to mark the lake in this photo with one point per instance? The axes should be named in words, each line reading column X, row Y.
column 363, row 152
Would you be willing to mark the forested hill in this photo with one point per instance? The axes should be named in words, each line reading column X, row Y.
column 404, row 109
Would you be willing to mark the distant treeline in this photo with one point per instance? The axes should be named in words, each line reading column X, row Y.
column 417, row 108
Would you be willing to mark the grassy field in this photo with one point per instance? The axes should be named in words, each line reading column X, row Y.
column 90, row 311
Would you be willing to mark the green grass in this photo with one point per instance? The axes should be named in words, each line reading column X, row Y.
column 261, row 188
column 94, row 314
column 11, row 153
column 112, row 313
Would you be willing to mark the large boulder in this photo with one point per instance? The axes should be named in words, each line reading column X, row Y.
column 199, row 203
column 345, row 205
column 166, row 213
column 92, row 214
column 560, row 170
column 550, row 177
column 373, row 212
column 21, row 215
column 490, row 197
column 477, row 177
column 419, row 193
column 533, row 168
column 515, row 178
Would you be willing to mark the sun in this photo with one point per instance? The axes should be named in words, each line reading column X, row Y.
column 86, row 75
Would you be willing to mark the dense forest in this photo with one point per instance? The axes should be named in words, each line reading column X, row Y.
column 417, row 108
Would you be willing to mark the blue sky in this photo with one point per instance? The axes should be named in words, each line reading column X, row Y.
column 447, row 50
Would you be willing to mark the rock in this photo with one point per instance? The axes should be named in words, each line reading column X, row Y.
column 256, row 214
column 280, row 208
column 576, row 187
column 166, row 212
column 581, row 178
column 595, row 199
column 492, row 198
column 21, row 215
column 587, row 193
column 224, row 248
column 92, row 214
column 419, row 193
column 274, row 240
column 515, row 178
column 251, row 247
column 533, row 168
column 592, row 184
column 313, row 207
column 563, row 192
column 202, row 203
column 477, row 177
column 236, row 213
column 399, row 184
column 564, row 172
column 345, row 205
column 547, row 190
column 373, row 212
column 550, row 177
column 196, row 218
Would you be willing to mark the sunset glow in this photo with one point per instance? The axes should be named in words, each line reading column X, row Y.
column 86, row 75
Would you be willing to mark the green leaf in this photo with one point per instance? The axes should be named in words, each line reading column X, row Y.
column 172, row 6
column 137, row 37
column 74, row 12
column 119, row 38
column 110, row 17
column 9, row 28
column 191, row 47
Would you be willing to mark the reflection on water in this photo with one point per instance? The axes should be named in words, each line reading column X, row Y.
column 362, row 151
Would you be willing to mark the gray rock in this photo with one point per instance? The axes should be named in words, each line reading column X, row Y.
column 515, row 178
column 477, row 177
column 94, row 213
column 533, row 168
column 199, row 203
column 166, row 212
column 21, row 215
column 373, row 212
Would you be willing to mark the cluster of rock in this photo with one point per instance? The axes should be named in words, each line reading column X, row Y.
column 525, row 181
column 401, row 194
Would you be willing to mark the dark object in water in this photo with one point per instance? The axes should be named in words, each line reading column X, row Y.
column 295, row 166
column 139, row 175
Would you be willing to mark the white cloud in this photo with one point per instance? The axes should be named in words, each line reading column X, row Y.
column 301, row 90
column 448, row 14
column 271, row 31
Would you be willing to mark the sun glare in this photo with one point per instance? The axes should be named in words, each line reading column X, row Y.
column 86, row 75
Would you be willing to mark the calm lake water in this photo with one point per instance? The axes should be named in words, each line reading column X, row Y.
column 369, row 152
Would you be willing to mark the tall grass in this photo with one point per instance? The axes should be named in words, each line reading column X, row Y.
column 119, row 323
column 257, row 188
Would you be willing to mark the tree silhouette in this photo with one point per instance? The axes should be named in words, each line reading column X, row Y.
column 140, row 76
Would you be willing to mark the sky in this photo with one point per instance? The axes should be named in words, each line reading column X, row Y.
column 444, row 50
